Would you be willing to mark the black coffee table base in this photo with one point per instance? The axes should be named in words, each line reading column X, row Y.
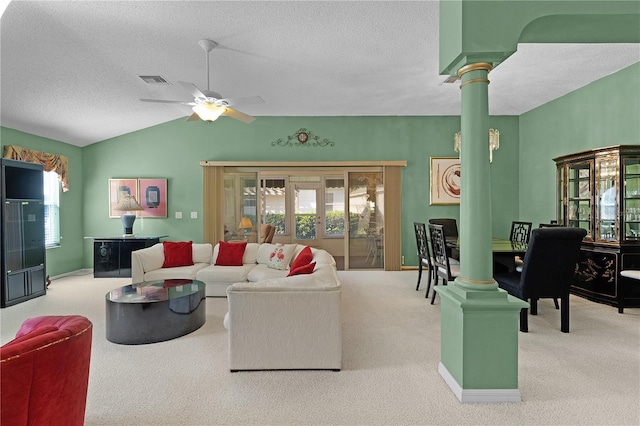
column 150, row 312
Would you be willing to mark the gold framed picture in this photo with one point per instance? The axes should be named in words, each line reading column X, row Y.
column 444, row 181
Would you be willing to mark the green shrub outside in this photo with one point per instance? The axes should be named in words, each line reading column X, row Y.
column 305, row 224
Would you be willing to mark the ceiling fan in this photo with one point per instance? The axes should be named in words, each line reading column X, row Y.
column 208, row 105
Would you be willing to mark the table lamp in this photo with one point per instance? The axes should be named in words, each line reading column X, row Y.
column 245, row 223
column 127, row 204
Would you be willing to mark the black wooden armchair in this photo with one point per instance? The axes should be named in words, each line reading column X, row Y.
column 446, row 268
column 548, row 270
column 424, row 254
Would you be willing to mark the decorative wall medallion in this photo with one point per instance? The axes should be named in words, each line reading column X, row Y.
column 302, row 137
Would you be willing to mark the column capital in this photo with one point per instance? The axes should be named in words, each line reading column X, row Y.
column 474, row 67
column 478, row 66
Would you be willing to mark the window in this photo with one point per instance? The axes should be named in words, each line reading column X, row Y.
column 51, row 210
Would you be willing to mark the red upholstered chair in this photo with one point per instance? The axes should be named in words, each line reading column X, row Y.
column 44, row 372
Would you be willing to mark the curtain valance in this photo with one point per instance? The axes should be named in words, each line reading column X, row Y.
column 50, row 162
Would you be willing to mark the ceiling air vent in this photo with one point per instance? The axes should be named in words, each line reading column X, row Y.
column 154, row 79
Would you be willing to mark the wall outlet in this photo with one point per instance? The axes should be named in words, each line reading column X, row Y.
column 178, row 215
column 194, row 215
column 403, row 260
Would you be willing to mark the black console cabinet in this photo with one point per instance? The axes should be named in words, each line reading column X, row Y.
column 22, row 232
column 112, row 256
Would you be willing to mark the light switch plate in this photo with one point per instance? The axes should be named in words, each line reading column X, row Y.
column 178, row 215
column 194, row 215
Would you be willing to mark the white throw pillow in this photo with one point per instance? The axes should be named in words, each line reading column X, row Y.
column 281, row 256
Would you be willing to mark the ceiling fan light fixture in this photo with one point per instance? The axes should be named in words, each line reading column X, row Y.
column 208, row 112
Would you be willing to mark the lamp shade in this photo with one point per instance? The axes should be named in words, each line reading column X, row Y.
column 245, row 223
column 208, row 112
column 128, row 203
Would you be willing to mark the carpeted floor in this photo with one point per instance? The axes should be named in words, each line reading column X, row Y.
column 391, row 342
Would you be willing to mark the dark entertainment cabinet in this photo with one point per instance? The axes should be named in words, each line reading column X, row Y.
column 599, row 191
column 22, row 232
column 112, row 256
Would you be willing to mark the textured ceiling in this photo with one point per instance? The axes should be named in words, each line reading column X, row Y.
column 69, row 70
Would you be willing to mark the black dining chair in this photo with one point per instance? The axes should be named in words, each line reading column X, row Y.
column 446, row 268
column 548, row 270
column 550, row 225
column 520, row 233
column 450, row 230
column 424, row 254
column 450, row 226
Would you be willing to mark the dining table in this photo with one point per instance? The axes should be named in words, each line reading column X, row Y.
column 504, row 252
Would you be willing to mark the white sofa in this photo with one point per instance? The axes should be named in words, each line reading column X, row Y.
column 146, row 264
column 275, row 322
column 286, row 323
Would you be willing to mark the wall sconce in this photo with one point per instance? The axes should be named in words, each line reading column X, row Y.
column 494, row 142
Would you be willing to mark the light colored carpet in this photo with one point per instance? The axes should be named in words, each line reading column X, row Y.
column 391, row 341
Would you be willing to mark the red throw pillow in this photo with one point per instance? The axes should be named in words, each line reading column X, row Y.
column 305, row 269
column 230, row 254
column 304, row 258
column 177, row 254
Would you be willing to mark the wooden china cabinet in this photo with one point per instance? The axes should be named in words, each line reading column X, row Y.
column 599, row 190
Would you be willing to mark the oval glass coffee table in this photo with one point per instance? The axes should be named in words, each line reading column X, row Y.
column 150, row 312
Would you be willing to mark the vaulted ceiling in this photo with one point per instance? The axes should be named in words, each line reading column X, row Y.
column 70, row 70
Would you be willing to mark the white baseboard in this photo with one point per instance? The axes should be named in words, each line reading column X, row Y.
column 85, row 271
column 471, row 396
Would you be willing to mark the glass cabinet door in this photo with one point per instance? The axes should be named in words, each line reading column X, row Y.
column 561, row 194
column 631, row 201
column 607, row 199
column 579, row 192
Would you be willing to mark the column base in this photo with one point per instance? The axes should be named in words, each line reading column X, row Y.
column 475, row 396
column 479, row 343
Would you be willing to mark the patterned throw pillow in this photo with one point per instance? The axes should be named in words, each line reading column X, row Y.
column 281, row 256
column 304, row 269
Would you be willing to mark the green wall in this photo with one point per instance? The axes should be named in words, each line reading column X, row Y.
column 69, row 256
column 174, row 149
column 523, row 174
column 603, row 113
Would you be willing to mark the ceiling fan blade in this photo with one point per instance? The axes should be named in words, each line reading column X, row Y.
column 162, row 101
column 249, row 100
column 193, row 117
column 197, row 93
column 245, row 118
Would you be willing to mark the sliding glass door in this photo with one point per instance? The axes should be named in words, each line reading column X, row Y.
column 341, row 211
column 306, row 218
column 240, row 207
column 366, row 220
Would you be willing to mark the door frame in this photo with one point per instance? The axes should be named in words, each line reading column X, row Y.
column 213, row 195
